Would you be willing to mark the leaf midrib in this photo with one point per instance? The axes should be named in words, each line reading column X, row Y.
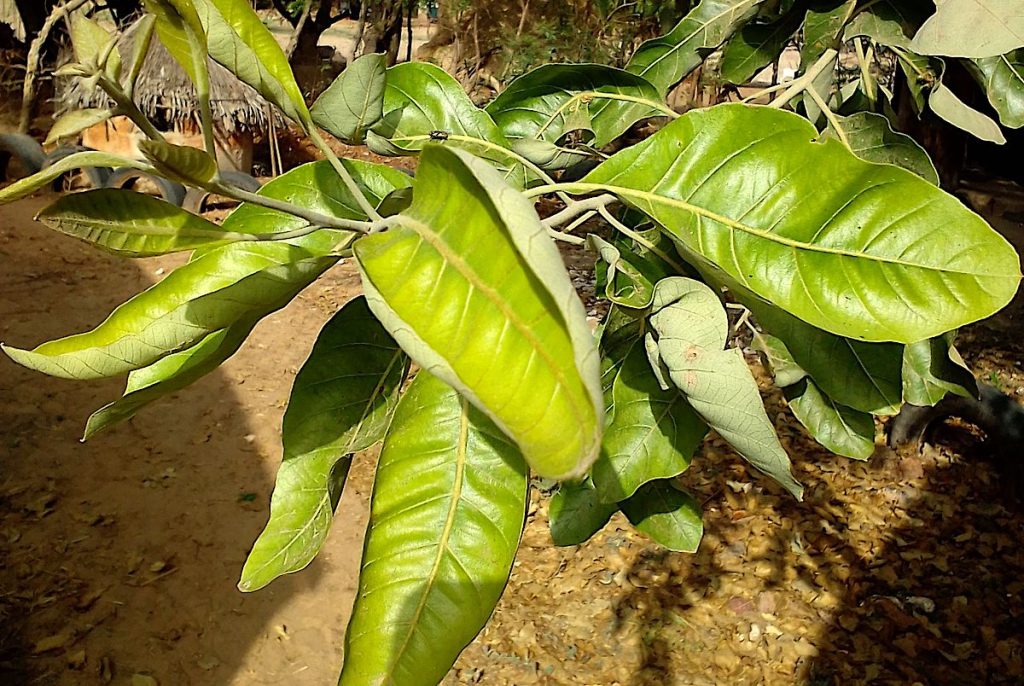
column 769, row 236
column 446, row 532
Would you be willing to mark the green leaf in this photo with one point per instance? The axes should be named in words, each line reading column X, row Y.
column 955, row 111
column 471, row 286
column 548, row 156
column 842, row 430
column 90, row 41
column 871, row 138
column 537, row 104
column 624, row 283
column 666, row 60
column 169, row 375
column 575, row 513
column 446, row 515
column 759, row 199
column 143, row 37
column 668, row 516
column 132, row 224
column 889, row 22
column 1002, row 78
column 779, row 360
column 932, row 368
column 756, row 46
column 354, row 101
column 972, row 28
column 207, row 294
column 316, row 186
column 76, row 121
column 717, row 383
column 864, row 376
column 822, row 28
column 238, row 40
column 652, row 435
column 342, row 401
column 921, row 76
column 620, row 331
column 181, row 163
column 22, row 188
column 172, row 31
column 422, row 100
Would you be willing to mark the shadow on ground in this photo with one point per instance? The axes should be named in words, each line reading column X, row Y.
column 120, row 556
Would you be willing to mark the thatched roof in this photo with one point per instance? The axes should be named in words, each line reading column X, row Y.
column 165, row 93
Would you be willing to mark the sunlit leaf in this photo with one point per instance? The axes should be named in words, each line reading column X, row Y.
column 341, row 403
column 842, row 430
column 871, row 138
column 666, row 60
column 893, row 257
column 76, row 121
column 25, row 187
column 972, row 28
column 447, row 511
column 181, row 163
column 538, row 103
column 470, row 285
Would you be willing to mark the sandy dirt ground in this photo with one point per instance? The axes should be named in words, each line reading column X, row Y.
column 119, row 557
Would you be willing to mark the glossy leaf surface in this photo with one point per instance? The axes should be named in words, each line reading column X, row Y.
column 666, row 60
column 537, row 104
column 447, row 511
column 471, row 286
column 354, row 101
column 893, row 257
column 341, row 403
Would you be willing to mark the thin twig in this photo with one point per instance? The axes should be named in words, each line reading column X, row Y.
column 577, row 208
column 829, row 114
column 798, row 85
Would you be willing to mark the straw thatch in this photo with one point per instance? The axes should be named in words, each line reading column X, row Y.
column 166, row 95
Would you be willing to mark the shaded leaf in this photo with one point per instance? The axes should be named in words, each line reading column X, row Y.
column 76, row 121
column 341, row 403
column 666, row 515
column 354, row 101
column 842, row 430
column 180, row 163
column 952, row 109
column 652, row 435
column 447, row 511
column 471, row 286
column 576, row 513
column 756, row 46
column 132, row 224
column 932, row 368
column 1003, row 80
column 717, row 383
column 779, row 360
column 624, row 283
column 822, row 27
column 871, row 138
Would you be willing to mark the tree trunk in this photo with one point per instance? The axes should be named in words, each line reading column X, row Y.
column 385, row 32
